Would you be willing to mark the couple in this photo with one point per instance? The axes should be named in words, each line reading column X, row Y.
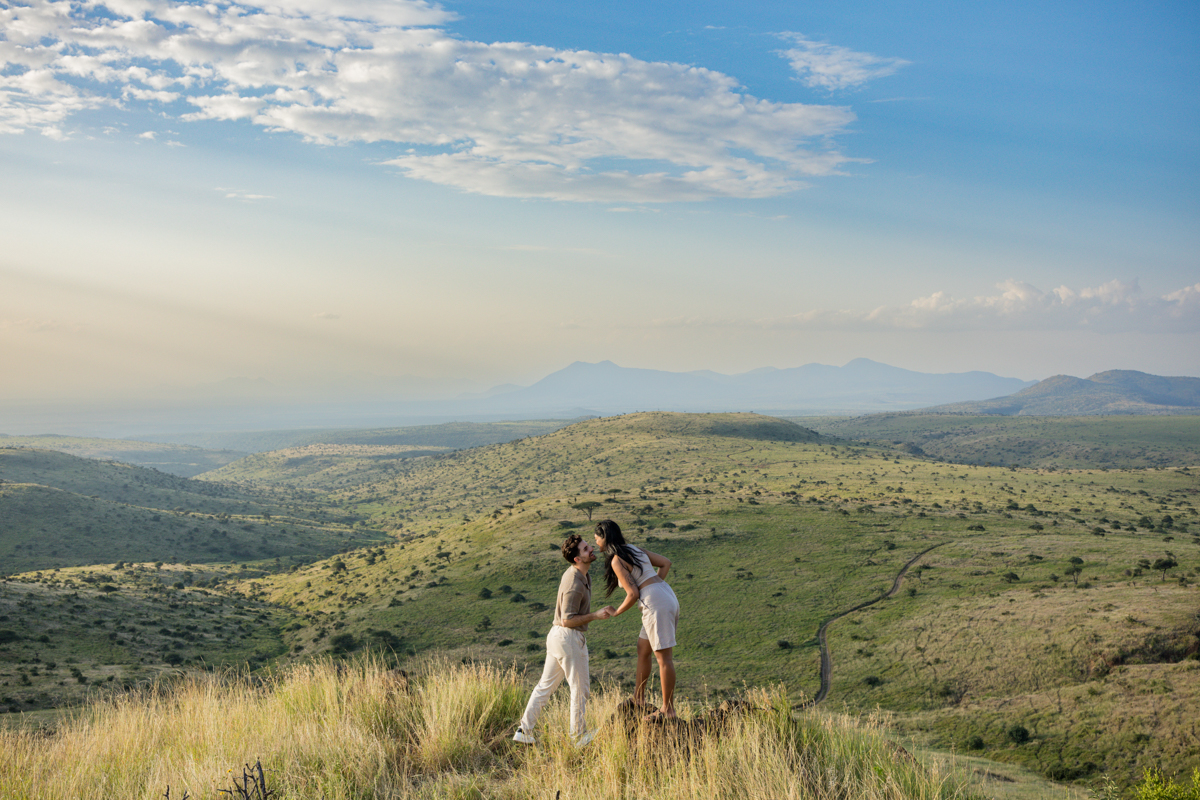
column 642, row 575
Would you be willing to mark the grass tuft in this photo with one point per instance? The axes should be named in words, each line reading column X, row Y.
column 351, row 732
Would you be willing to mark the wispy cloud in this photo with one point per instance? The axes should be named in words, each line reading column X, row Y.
column 238, row 194
column 1113, row 307
column 508, row 119
column 820, row 65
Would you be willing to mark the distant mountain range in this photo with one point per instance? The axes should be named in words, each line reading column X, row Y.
column 603, row 389
column 1117, row 391
column 862, row 385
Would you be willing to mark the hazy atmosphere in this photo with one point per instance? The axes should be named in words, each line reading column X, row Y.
column 411, row 200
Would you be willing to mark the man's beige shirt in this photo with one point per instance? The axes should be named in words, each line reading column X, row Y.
column 574, row 597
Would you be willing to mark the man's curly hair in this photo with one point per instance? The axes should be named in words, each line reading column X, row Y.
column 570, row 548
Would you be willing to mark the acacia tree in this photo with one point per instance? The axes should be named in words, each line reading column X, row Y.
column 1164, row 564
column 587, row 506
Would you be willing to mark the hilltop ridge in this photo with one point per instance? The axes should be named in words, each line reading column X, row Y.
column 1111, row 392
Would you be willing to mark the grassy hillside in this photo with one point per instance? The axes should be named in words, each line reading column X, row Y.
column 444, row 732
column 1038, row 610
column 449, row 435
column 320, row 466
column 176, row 459
column 1126, row 442
column 1107, row 393
column 66, row 632
column 59, row 510
column 769, row 538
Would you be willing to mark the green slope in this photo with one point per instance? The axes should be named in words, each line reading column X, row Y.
column 1123, row 442
column 451, row 435
column 176, row 459
column 772, row 531
column 60, row 510
column 65, row 633
column 769, row 538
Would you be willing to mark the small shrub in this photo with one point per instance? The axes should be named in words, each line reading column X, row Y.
column 1017, row 734
column 784, row 644
column 873, row 680
column 975, row 743
column 343, row 643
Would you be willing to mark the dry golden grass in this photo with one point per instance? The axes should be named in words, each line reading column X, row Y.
column 359, row 732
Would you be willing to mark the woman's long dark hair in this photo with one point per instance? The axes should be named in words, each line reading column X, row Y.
column 617, row 547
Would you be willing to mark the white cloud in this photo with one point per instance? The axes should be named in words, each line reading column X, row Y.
column 1114, row 307
column 827, row 66
column 147, row 135
column 509, row 118
column 233, row 194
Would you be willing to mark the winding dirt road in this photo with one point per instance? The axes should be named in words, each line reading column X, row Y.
column 826, row 661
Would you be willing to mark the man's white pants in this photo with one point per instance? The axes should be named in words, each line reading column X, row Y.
column 566, row 657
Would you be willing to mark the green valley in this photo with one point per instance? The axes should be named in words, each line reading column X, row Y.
column 1050, row 621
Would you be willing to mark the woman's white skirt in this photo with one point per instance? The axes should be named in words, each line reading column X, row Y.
column 660, row 613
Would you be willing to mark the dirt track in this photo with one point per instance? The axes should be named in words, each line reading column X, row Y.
column 826, row 661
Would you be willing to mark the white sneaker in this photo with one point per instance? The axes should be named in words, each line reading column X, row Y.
column 523, row 737
column 585, row 739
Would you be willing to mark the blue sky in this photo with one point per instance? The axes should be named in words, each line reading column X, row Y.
column 411, row 199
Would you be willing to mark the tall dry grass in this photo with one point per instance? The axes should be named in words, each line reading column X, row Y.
column 355, row 732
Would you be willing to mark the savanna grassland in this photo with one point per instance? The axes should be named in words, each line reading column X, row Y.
column 61, row 510
column 67, row 632
column 177, row 459
column 1039, row 593
column 1051, row 623
column 358, row 730
column 1090, row 442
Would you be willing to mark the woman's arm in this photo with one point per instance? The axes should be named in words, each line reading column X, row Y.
column 631, row 590
column 662, row 563
column 583, row 619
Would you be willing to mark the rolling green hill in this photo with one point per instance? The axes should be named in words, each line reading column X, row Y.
column 176, row 459
column 65, row 633
column 1122, row 442
column 1032, row 626
column 1112, row 392
column 60, row 510
column 991, row 631
column 449, row 435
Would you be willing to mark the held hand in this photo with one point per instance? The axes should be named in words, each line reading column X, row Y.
column 605, row 612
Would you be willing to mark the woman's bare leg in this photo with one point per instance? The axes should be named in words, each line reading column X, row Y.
column 666, row 674
column 643, row 671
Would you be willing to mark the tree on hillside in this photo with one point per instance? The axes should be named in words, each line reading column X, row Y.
column 1073, row 571
column 587, row 506
column 1164, row 564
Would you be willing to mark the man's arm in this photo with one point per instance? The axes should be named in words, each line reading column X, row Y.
column 583, row 619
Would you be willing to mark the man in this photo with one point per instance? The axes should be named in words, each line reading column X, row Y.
column 566, row 644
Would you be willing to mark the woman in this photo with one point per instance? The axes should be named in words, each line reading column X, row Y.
column 642, row 575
